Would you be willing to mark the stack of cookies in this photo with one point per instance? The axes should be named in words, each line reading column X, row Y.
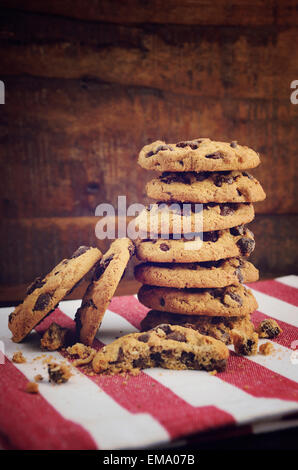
column 196, row 279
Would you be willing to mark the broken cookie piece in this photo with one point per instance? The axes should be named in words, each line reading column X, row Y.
column 59, row 373
column 83, row 354
column 247, row 345
column 268, row 328
column 266, row 349
column 54, row 338
column 18, row 358
column 31, row 387
column 167, row 346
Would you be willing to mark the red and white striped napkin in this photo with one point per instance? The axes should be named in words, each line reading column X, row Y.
column 257, row 393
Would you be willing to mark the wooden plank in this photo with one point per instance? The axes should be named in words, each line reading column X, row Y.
column 215, row 12
column 33, row 246
column 210, row 61
column 156, row 11
column 72, row 145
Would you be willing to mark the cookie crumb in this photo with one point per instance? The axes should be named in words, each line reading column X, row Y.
column 213, row 372
column 84, row 354
column 38, row 378
column 31, row 387
column 266, row 349
column 18, row 358
column 58, row 373
column 246, row 345
column 54, row 338
column 268, row 328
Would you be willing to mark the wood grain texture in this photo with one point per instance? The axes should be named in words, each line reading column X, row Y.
column 65, row 150
column 212, row 61
column 35, row 246
column 89, row 83
column 188, row 12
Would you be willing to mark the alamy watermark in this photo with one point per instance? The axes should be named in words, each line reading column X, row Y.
column 2, row 92
column 167, row 221
column 294, row 353
column 294, row 94
column 2, row 352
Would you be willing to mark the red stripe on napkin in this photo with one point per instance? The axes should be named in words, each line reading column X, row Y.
column 258, row 380
column 30, row 423
column 278, row 290
column 143, row 394
column 129, row 308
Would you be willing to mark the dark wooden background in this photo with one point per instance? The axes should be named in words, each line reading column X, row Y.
column 89, row 83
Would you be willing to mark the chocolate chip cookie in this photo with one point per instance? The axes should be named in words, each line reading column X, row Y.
column 44, row 294
column 218, row 327
column 197, row 155
column 167, row 346
column 226, row 301
column 205, row 187
column 182, row 218
column 99, row 293
column 221, row 273
column 236, row 241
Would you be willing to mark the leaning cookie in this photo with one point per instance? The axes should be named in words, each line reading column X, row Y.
column 236, row 241
column 226, row 301
column 102, row 288
column 226, row 272
column 218, row 327
column 44, row 294
column 167, row 346
column 166, row 218
column 221, row 187
column 197, row 155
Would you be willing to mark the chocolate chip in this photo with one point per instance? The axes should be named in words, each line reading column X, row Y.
column 120, row 356
column 162, row 301
column 239, row 230
column 166, row 328
column 248, row 175
column 42, row 301
column 220, row 179
column 36, row 284
column 156, row 358
column 101, row 267
column 233, row 144
column 144, row 338
column 239, row 192
column 226, row 209
column 177, row 336
column 160, row 148
column 246, row 245
column 210, row 236
column 80, row 251
column 246, row 347
column 164, row 247
column 215, row 155
column 188, row 143
column 187, row 358
column 235, row 297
